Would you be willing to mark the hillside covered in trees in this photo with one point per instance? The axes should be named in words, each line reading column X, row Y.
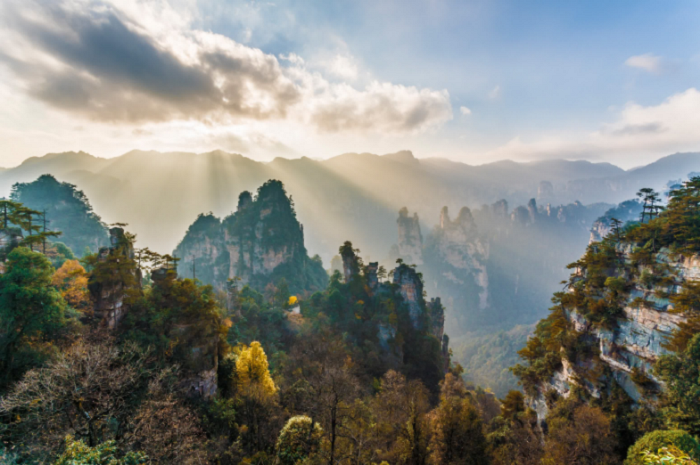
column 119, row 359
column 619, row 351
column 65, row 209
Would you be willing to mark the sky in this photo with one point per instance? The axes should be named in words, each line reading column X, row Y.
column 474, row 81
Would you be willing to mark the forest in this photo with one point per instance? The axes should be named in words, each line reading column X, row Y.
column 115, row 358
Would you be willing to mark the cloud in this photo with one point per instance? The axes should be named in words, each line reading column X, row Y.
column 120, row 63
column 141, row 132
column 343, row 66
column 637, row 129
column 465, row 111
column 495, row 92
column 647, row 62
column 383, row 107
column 637, row 132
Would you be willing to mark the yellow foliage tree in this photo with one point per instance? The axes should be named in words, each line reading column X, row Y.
column 253, row 371
column 258, row 402
column 71, row 280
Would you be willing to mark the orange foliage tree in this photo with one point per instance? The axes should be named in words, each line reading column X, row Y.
column 71, row 280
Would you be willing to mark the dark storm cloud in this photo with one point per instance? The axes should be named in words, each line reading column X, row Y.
column 94, row 60
column 112, row 72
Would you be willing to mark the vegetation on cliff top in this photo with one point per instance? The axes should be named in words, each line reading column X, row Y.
column 192, row 375
column 66, row 209
column 635, row 258
column 264, row 226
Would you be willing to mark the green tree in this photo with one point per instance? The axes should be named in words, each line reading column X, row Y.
column 299, row 439
column 402, row 426
column 652, row 442
column 177, row 317
column 616, row 228
column 458, row 436
column 579, row 436
column 65, row 208
column 681, row 374
column 30, row 307
column 686, row 302
column 78, row 453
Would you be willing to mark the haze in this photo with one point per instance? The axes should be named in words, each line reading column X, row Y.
column 471, row 81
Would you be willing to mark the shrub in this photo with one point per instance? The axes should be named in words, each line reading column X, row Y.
column 78, row 453
column 652, row 442
column 298, row 440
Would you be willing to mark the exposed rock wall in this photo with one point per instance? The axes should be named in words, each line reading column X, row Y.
column 351, row 263
column 259, row 244
column 372, row 278
column 411, row 289
column 437, row 317
column 491, row 266
column 636, row 341
column 111, row 291
column 410, row 245
column 462, row 252
column 425, row 316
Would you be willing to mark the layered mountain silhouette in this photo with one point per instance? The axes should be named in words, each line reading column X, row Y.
column 351, row 196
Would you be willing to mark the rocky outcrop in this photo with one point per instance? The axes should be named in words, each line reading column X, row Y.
column 520, row 216
column 526, row 215
column 410, row 245
column 110, row 287
column 425, row 316
column 436, row 312
column 261, row 243
column 351, row 262
column 460, row 254
column 600, row 229
column 489, row 264
column 633, row 346
column 411, row 288
column 372, row 278
column 500, row 209
column 532, row 210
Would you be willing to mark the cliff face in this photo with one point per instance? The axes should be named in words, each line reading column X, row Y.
column 260, row 244
column 425, row 316
column 625, row 353
column 464, row 253
column 410, row 245
column 110, row 287
column 411, row 288
column 493, row 267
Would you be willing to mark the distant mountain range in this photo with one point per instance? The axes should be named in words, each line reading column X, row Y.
column 351, row 196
